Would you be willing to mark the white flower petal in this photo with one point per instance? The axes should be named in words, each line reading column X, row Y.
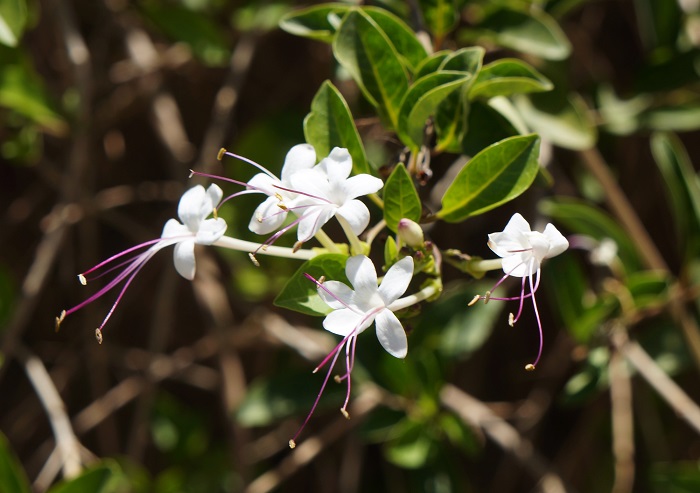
column 268, row 217
column 265, row 183
column 210, row 230
column 299, row 157
column 362, row 275
column 390, row 333
column 343, row 321
column 190, row 207
column 341, row 296
column 356, row 214
column 396, row 280
column 214, row 194
column 174, row 229
column 183, row 256
column 557, row 242
column 337, row 165
column 520, row 265
column 505, row 245
column 357, row 186
column 517, row 225
column 312, row 220
column 313, row 185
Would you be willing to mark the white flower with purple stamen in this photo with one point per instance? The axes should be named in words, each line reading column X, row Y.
column 195, row 206
column 355, row 310
column 523, row 251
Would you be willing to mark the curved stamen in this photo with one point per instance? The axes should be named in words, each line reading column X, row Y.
column 291, row 190
column 246, row 160
column 539, row 327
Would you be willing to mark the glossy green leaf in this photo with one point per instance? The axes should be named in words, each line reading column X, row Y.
column 366, row 52
column 13, row 19
column 532, row 31
column 440, row 16
column 484, row 127
column 506, row 77
column 300, row 293
column 405, row 41
column 400, row 198
column 318, row 22
column 566, row 122
column 431, row 64
column 102, row 478
column 583, row 218
column 12, row 476
column 330, row 124
column 465, row 60
column 391, row 251
column 496, row 175
column 682, row 188
column 422, row 101
column 23, row 91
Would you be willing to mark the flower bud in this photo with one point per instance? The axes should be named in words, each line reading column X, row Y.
column 410, row 233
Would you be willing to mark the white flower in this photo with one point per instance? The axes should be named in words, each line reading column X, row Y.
column 271, row 214
column 327, row 190
column 354, row 311
column 523, row 251
column 195, row 206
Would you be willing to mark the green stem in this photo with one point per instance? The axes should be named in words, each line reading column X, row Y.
column 355, row 244
column 326, row 241
column 407, row 301
column 486, row 265
column 275, row 251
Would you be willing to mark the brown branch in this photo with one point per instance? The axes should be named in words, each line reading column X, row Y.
column 622, row 422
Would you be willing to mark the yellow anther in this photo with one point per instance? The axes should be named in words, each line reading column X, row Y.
column 59, row 319
column 292, row 444
column 82, row 279
column 474, row 300
column 337, row 379
column 530, row 367
column 487, row 297
column 98, row 336
column 219, row 157
column 511, row 319
column 254, row 260
column 345, row 414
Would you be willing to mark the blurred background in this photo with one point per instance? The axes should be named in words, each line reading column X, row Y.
column 105, row 106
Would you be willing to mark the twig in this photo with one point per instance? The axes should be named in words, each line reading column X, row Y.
column 622, row 422
column 66, row 441
column 475, row 413
column 308, row 449
column 662, row 383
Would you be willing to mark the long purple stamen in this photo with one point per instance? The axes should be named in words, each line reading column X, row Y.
column 539, row 327
column 246, row 160
column 121, row 254
column 303, row 193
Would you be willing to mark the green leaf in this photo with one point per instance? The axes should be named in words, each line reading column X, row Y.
column 564, row 121
column 12, row 476
column 583, row 218
column 300, row 293
column 102, row 478
column 682, row 187
column 330, row 124
column 484, row 127
column 23, row 91
column 13, row 19
column 496, row 175
column 431, row 64
column 506, row 77
column 440, row 15
column 465, row 60
column 400, row 198
column 413, row 446
column 532, row 31
column 675, row 477
column 366, row 52
column 391, row 251
column 678, row 118
column 405, row 41
column 195, row 29
column 318, row 22
column 422, row 100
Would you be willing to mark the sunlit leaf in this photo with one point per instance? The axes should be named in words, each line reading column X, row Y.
column 506, row 77
column 400, row 198
column 13, row 19
column 496, row 175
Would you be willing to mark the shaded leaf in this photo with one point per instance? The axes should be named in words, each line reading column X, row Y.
column 440, row 15
column 102, row 478
column 300, row 293
column 506, row 77
column 330, row 124
column 484, row 127
column 431, row 64
column 318, row 22
column 496, row 175
column 12, row 476
column 400, row 198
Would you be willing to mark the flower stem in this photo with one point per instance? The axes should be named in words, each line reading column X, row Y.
column 355, row 244
column 327, row 243
column 275, row 251
column 410, row 300
column 486, row 265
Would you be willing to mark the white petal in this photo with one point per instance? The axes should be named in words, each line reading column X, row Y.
column 517, row 225
column 390, row 333
column 337, row 165
column 357, row 186
column 268, row 217
column 362, row 275
column 313, row 185
column 313, row 219
column 183, row 257
column 343, row 321
column 214, row 194
column 341, row 296
column 356, row 214
column 520, row 265
column 264, row 183
column 190, row 207
column 539, row 244
column 396, row 280
column 210, row 230
column 299, row 157
column 557, row 243
column 173, row 229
